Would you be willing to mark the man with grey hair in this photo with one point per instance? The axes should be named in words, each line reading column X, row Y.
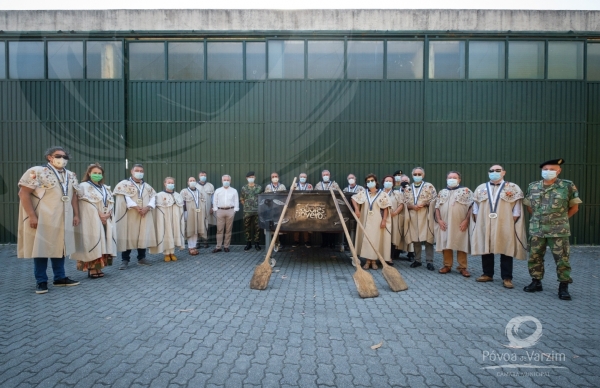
column 225, row 203
column 419, row 220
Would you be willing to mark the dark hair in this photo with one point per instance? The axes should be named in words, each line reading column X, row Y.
column 202, row 172
column 137, row 165
column 86, row 176
column 387, row 176
column 52, row 150
column 371, row 175
column 454, row 172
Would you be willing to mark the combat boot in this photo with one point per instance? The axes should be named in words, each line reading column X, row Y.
column 563, row 291
column 536, row 285
column 248, row 246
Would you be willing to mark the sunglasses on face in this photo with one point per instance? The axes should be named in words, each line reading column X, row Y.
column 417, row 174
column 496, row 170
column 370, row 180
column 60, row 156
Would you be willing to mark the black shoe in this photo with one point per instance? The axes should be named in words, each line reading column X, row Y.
column 563, row 291
column 144, row 262
column 257, row 247
column 295, row 244
column 216, row 250
column 206, row 245
column 248, row 246
column 416, row 264
column 390, row 263
column 430, row 266
column 410, row 256
column 198, row 245
column 65, row 282
column 41, row 288
column 535, row 285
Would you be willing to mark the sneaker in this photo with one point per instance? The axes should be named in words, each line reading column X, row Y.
column 65, row 282
column 41, row 288
column 307, row 244
column 295, row 244
column 124, row 265
column 144, row 262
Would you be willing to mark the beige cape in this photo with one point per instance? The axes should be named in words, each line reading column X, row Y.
column 381, row 238
column 419, row 225
column 207, row 190
column 500, row 235
column 196, row 220
column 92, row 238
column 168, row 220
column 397, row 198
column 454, row 206
column 133, row 230
column 54, row 236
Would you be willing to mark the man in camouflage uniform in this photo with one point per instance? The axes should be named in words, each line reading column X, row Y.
column 249, row 198
column 551, row 202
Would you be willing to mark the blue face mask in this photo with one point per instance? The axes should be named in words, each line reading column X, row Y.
column 452, row 182
column 302, row 180
column 226, row 183
column 397, row 178
column 138, row 175
column 370, row 185
column 417, row 178
column 548, row 175
column 202, row 179
column 388, row 185
column 494, row 176
column 170, row 186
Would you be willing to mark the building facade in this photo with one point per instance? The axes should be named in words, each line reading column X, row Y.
column 301, row 91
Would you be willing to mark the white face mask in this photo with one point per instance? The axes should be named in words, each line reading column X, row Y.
column 397, row 178
column 452, row 182
column 302, row 180
column 351, row 181
column 274, row 180
column 388, row 185
column 326, row 178
column 250, row 180
column 370, row 185
column 226, row 183
column 138, row 175
column 192, row 185
column 59, row 162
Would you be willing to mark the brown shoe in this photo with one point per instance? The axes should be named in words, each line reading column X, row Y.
column 507, row 283
column 167, row 258
column 485, row 278
column 173, row 257
column 464, row 273
column 445, row 269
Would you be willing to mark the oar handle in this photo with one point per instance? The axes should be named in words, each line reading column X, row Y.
column 350, row 244
column 274, row 239
column 363, row 230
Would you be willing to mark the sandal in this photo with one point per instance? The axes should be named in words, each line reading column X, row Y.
column 193, row 251
column 94, row 275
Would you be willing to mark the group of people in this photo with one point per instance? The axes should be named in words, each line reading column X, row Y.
column 60, row 216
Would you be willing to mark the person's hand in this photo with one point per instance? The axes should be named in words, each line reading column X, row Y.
column 144, row 211
column 75, row 220
column 443, row 225
column 33, row 222
column 464, row 225
column 211, row 211
column 382, row 225
column 357, row 214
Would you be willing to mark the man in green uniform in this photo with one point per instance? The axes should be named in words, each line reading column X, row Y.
column 551, row 202
column 249, row 198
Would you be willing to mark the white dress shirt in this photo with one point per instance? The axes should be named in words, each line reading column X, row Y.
column 226, row 197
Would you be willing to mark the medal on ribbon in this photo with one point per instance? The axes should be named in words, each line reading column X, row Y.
column 64, row 187
column 493, row 199
column 372, row 202
column 139, row 201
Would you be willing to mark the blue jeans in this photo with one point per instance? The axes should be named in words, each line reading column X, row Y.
column 40, row 264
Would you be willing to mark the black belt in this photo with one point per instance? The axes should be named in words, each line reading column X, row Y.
column 226, row 208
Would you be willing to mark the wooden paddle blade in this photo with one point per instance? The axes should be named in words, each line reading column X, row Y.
column 365, row 285
column 394, row 279
column 262, row 274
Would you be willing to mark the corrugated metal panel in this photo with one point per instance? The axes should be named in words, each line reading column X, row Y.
column 445, row 100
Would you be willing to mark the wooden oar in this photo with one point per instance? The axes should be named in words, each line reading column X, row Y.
column 365, row 285
column 262, row 272
column 390, row 274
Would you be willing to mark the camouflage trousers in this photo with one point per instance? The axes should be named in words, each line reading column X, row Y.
column 251, row 222
column 560, row 250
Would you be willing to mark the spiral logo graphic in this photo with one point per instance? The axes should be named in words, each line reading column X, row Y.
column 512, row 331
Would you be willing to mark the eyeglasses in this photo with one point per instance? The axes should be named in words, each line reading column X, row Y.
column 60, row 156
column 370, row 180
column 496, row 170
column 417, row 174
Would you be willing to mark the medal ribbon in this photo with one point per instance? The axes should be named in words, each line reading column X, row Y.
column 352, row 190
column 140, row 191
column 103, row 193
column 494, row 198
column 65, row 186
column 417, row 194
column 196, row 197
column 373, row 201
column 302, row 188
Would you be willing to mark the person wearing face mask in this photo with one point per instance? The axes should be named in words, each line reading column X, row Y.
column 168, row 221
column 397, row 180
column 392, row 232
column 401, row 244
column 452, row 214
column 194, row 214
column 249, row 198
column 372, row 207
column 95, row 240
column 134, row 220
column 48, row 211
column 225, row 203
column 274, row 186
column 551, row 202
column 418, row 220
column 352, row 186
column 206, row 190
column 327, row 239
column 302, row 185
column 498, row 227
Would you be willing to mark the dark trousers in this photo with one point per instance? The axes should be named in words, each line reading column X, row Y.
column 506, row 266
column 141, row 254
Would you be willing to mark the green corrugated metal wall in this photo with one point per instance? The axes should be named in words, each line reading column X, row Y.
column 179, row 128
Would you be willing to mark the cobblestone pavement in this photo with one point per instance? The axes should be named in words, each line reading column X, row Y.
column 196, row 322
